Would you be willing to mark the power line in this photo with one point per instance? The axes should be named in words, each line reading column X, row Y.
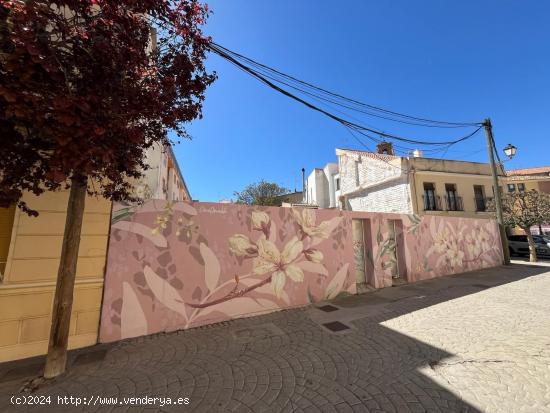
column 343, row 121
column 217, row 48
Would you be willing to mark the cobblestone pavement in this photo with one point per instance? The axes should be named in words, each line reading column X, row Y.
column 473, row 342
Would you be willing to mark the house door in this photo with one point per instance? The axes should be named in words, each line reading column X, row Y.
column 362, row 251
column 396, row 240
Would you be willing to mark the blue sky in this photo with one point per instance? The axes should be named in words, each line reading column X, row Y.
column 448, row 60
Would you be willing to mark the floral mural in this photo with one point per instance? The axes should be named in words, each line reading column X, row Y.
column 180, row 265
column 434, row 246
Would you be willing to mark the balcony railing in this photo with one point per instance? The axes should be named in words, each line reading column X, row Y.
column 454, row 203
column 432, row 202
column 481, row 203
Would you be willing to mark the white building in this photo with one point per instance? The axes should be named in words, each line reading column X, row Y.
column 323, row 187
column 383, row 182
column 375, row 182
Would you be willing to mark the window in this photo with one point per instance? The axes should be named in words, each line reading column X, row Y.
column 453, row 201
column 521, row 187
column 337, row 184
column 163, row 185
column 479, row 198
column 430, row 199
column 6, row 225
column 511, row 188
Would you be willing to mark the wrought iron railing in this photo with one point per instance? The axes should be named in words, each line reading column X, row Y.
column 481, row 203
column 454, row 203
column 432, row 202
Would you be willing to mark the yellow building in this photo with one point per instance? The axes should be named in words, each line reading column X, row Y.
column 529, row 178
column 519, row 180
column 449, row 187
column 30, row 249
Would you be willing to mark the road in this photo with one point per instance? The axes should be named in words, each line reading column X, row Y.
column 474, row 342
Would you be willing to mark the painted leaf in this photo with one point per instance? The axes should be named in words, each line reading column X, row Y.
column 264, row 289
column 211, row 267
column 164, row 292
column 273, row 232
column 185, row 208
column 239, row 306
column 146, row 232
column 121, row 214
column 133, row 322
column 313, row 267
column 311, row 299
column 328, row 227
column 337, row 283
column 153, row 205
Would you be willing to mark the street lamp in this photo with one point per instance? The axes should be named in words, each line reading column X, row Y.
column 510, row 151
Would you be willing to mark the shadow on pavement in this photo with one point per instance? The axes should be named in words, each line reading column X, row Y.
column 281, row 362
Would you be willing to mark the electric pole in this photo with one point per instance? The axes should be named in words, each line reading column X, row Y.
column 498, row 201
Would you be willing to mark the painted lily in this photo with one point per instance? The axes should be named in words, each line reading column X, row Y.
column 241, row 246
column 306, row 221
column 313, row 255
column 279, row 264
column 260, row 220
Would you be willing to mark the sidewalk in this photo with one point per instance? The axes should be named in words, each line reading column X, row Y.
column 472, row 342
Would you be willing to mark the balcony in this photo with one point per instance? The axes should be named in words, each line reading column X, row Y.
column 432, row 203
column 481, row 203
column 454, row 203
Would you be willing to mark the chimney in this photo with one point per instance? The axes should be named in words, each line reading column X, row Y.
column 385, row 148
column 304, row 193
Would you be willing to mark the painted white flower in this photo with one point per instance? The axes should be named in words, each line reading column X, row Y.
column 279, row 264
column 162, row 221
column 241, row 246
column 306, row 221
column 441, row 240
column 454, row 254
column 484, row 239
column 473, row 244
column 260, row 220
column 313, row 255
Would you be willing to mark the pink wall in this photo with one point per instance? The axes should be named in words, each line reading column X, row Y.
column 434, row 246
column 182, row 265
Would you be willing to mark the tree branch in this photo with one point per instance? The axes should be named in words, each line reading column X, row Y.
column 231, row 295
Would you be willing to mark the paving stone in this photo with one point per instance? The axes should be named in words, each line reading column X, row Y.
column 460, row 348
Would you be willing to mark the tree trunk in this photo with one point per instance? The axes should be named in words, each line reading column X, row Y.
column 532, row 246
column 63, row 301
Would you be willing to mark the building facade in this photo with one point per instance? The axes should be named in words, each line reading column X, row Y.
column 520, row 180
column 383, row 182
column 163, row 179
column 30, row 249
column 323, row 187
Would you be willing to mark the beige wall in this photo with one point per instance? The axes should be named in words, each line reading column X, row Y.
column 464, row 187
column 27, row 289
column 542, row 185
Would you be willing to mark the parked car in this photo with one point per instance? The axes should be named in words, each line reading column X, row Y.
column 519, row 245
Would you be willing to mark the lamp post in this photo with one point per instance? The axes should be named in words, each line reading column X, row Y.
column 510, row 151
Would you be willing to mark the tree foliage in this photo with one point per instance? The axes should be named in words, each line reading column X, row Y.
column 83, row 93
column 261, row 193
column 525, row 209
